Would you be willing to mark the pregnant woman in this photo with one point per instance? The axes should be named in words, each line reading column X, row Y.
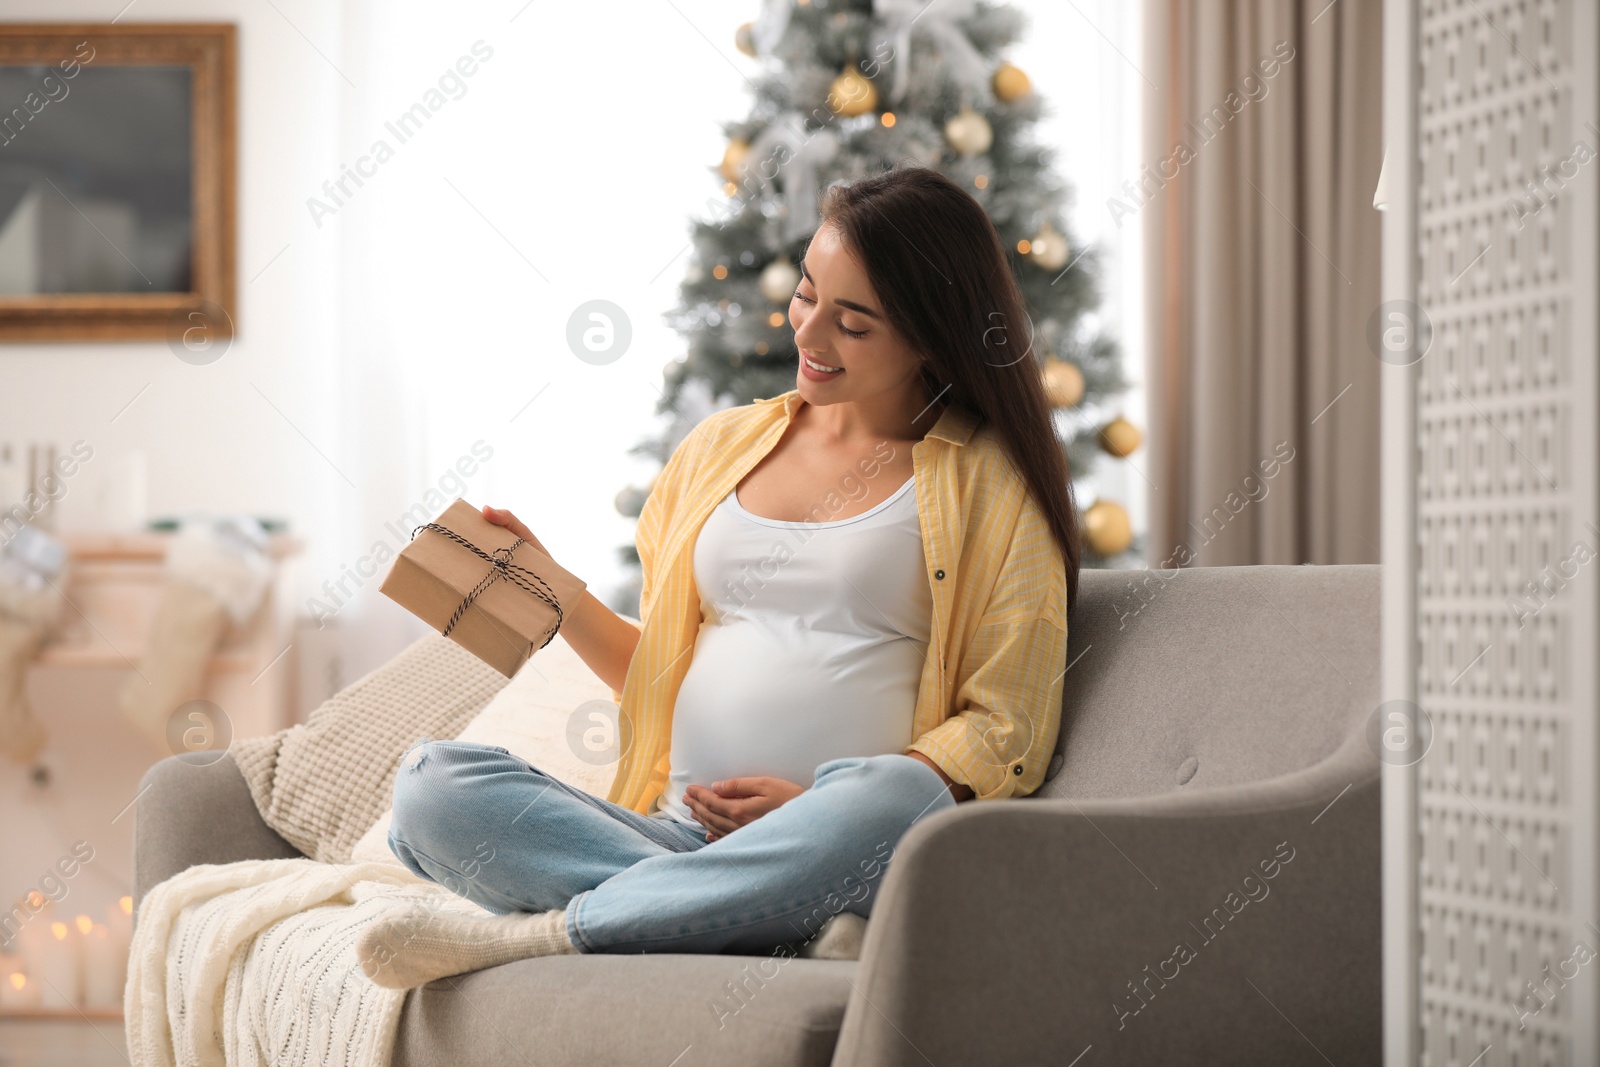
column 854, row 615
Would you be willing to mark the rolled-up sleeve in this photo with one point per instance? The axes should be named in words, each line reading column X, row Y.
column 1007, row 700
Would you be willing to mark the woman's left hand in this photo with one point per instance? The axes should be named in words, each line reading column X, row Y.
column 731, row 803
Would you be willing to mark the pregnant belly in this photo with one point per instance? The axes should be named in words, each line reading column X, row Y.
column 758, row 701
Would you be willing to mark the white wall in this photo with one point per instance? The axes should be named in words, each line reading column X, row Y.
column 211, row 441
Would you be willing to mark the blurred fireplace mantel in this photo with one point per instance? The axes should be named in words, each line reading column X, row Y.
column 114, row 588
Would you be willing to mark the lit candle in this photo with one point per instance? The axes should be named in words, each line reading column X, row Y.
column 35, row 944
column 11, row 963
column 35, row 908
column 16, row 991
column 83, row 926
column 58, row 970
column 119, row 924
column 102, row 981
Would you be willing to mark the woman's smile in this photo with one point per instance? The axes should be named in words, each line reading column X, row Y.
column 816, row 370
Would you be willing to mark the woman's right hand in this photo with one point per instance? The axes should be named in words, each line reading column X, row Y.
column 504, row 518
column 602, row 639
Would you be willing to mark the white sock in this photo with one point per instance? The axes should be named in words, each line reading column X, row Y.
column 414, row 947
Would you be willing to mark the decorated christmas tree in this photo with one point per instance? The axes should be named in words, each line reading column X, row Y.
column 846, row 88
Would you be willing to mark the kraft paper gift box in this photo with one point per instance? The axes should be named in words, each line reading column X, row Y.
column 499, row 602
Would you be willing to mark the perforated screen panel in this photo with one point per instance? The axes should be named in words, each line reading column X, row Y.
column 1505, row 656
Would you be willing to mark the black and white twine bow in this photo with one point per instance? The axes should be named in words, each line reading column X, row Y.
column 500, row 566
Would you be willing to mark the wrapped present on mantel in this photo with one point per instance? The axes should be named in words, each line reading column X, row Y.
column 482, row 586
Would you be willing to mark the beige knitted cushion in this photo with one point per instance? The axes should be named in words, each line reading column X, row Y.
column 322, row 783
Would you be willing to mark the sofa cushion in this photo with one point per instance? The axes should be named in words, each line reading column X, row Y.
column 322, row 783
column 1212, row 676
column 631, row 1008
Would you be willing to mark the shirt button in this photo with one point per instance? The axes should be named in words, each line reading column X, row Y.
column 1017, row 769
column 939, row 573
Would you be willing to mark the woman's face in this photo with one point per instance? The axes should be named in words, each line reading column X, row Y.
column 838, row 322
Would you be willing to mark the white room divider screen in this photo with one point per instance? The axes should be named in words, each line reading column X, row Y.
column 1490, row 532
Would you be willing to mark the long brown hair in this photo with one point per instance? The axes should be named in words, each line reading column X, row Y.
column 940, row 271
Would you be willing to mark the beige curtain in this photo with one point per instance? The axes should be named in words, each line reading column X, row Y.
column 1262, row 142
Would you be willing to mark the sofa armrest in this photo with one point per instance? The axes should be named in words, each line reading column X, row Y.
column 1027, row 930
column 187, row 814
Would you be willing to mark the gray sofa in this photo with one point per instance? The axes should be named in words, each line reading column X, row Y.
column 1216, row 790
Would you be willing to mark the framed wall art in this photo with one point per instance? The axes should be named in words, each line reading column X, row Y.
column 117, row 180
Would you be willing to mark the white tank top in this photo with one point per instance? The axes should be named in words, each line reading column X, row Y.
column 811, row 645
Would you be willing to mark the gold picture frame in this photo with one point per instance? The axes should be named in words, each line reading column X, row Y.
column 51, row 262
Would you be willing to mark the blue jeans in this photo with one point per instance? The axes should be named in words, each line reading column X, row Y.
column 497, row 830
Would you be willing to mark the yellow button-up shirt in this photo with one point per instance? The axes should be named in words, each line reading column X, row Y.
column 988, row 703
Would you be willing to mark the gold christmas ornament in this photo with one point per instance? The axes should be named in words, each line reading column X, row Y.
column 1120, row 437
column 733, row 160
column 1063, row 382
column 968, row 132
column 744, row 39
column 779, row 279
column 1107, row 529
column 852, row 93
column 1010, row 83
column 1049, row 249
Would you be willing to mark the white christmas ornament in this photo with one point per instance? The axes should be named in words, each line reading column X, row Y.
column 33, row 571
column 969, row 133
column 630, row 500
column 779, row 280
column 1049, row 248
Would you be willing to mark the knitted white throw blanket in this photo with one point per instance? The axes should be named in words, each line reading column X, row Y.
column 253, row 963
